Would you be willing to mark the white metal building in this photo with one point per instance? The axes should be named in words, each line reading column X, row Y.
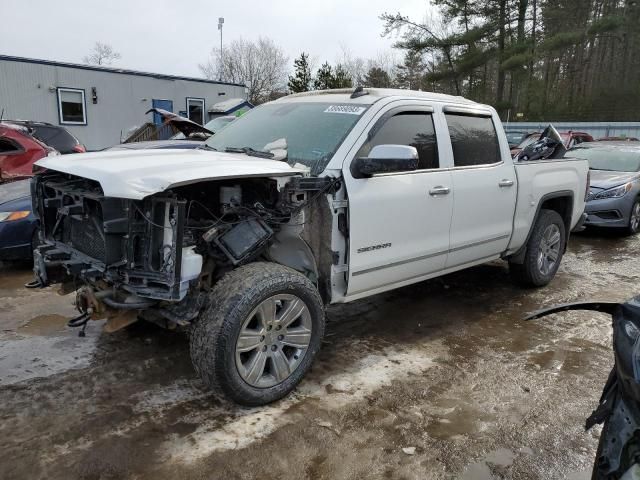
column 101, row 105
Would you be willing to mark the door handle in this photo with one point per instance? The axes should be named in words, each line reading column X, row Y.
column 505, row 182
column 439, row 190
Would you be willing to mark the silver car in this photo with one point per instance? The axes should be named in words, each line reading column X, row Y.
column 613, row 199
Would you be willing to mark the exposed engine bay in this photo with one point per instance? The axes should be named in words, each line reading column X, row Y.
column 160, row 254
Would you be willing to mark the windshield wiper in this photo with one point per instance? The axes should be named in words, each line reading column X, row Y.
column 204, row 146
column 249, row 151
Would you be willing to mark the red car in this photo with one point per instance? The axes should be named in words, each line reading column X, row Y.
column 19, row 151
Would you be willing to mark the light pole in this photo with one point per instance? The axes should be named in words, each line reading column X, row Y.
column 220, row 24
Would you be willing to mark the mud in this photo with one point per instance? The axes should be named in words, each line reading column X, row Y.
column 438, row 380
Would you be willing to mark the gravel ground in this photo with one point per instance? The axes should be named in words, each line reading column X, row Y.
column 438, row 380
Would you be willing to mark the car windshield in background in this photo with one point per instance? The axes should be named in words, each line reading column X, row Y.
column 310, row 133
column 515, row 137
column 611, row 159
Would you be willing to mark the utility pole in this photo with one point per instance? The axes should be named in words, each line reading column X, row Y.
column 220, row 24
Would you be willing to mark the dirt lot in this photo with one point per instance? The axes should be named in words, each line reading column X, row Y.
column 438, row 380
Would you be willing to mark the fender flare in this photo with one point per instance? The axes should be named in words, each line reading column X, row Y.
column 518, row 256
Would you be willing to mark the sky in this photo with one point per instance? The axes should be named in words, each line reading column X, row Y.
column 173, row 37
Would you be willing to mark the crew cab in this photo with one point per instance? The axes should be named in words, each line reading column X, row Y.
column 313, row 199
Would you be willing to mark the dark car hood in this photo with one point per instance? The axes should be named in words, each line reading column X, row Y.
column 603, row 179
column 155, row 144
column 14, row 191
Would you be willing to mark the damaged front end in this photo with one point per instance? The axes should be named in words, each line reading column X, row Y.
column 159, row 256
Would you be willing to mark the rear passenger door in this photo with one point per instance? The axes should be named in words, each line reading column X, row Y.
column 398, row 222
column 484, row 188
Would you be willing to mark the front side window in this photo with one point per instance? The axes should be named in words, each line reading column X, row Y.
column 71, row 106
column 474, row 140
column 195, row 110
column 307, row 133
column 413, row 129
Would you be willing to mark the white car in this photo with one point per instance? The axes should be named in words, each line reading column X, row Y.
column 313, row 199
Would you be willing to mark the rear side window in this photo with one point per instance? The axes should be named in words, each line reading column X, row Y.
column 7, row 146
column 474, row 140
column 414, row 129
column 57, row 138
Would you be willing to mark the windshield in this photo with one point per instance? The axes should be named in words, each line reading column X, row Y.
column 612, row 159
column 217, row 123
column 309, row 133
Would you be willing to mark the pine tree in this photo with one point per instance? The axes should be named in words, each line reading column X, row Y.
column 376, row 77
column 301, row 81
column 324, row 78
column 411, row 72
column 341, row 78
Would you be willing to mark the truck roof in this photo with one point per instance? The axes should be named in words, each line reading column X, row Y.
column 369, row 96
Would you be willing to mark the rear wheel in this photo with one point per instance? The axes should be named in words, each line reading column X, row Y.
column 544, row 251
column 260, row 333
column 634, row 218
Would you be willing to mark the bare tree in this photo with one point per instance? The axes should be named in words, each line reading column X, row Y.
column 262, row 66
column 102, row 54
column 354, row 66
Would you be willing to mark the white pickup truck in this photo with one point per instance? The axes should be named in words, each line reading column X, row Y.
column 314, row 199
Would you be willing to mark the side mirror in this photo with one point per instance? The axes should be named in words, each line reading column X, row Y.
column 386, row 159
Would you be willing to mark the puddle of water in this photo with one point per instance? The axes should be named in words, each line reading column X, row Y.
column 42, row 356
column 456, row 418
column 502, row 458
column 44, row 325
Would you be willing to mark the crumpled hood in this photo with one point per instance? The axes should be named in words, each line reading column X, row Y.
column 602, row 179
column 136, row 174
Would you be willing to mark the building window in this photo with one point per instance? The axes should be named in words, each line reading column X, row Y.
column 195, row 110
column 72, row 109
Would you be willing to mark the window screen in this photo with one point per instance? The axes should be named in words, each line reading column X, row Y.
column 71, row 106
column 414, row 129
column 195, row 110
column 474, row 140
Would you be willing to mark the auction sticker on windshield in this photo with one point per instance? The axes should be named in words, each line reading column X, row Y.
column 349, row 109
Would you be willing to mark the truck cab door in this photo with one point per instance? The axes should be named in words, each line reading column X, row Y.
column 484, row 187
column 398, row 222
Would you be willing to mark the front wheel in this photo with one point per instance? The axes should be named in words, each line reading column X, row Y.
column 634, row 218
column 259, row 334
column 545, row 248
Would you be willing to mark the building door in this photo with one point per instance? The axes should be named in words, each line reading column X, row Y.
column 163, row 104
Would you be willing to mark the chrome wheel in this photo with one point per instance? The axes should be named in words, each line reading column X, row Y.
column 273, row 340
column 634, row 221
column 549, row 251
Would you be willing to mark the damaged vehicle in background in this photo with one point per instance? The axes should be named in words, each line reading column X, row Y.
column 618, row 454
column 315, row 198
column 19, row 151
column 189, row 133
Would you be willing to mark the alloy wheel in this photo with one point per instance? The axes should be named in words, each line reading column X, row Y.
column 273, row 340
column 634, row 221
column 549, row 251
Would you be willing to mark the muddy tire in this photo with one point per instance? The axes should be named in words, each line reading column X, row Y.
column 259, row 333
column 544, row 251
